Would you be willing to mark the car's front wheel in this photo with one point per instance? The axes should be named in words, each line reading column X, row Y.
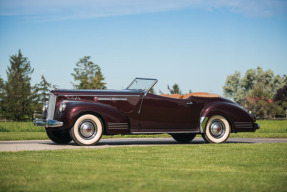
column 87, row 130
column 183, row 137
column 59, row 137
column 217, row 129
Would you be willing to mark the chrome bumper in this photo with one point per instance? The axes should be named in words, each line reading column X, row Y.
column 47, row 123
column 256, row 126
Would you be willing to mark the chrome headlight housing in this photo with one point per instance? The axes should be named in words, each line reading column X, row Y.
column 62, row 107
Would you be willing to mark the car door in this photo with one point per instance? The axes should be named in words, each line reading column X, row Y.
column 163, row 114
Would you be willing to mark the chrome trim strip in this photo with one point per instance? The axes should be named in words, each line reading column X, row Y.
column 118, row 125
column 165, row 132
column 72, row 101
column 119, row 128
column 112, row 99
column 100, row 95
column 243, row 122
column 203, row 121
column 243, row 125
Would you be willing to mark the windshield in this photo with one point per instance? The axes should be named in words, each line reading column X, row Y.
column 142, row 84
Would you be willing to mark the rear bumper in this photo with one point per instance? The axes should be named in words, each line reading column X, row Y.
column 47, row 123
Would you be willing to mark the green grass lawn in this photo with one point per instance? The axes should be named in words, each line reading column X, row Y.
column 212, row 167
column 27, row 131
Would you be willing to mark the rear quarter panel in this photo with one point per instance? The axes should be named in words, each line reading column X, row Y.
column 239, row 119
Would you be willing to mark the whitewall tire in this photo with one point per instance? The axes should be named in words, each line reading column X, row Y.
column 217, row 130
column 87, row 130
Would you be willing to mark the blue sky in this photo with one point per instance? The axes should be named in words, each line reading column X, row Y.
column 193, row 43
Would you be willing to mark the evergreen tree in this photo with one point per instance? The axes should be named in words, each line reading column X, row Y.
column 17, row 99
column 88, row 75
column 2, row 94
column 42, row 90
column 175, row 89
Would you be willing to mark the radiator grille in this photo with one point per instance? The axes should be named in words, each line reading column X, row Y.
column 51, row 106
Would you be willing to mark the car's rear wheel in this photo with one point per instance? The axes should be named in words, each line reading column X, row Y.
column 87, row 130
column 217, row 130
column 59, row 137
column 183, row 137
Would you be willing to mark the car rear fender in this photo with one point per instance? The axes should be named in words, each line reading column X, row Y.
column 238, row 118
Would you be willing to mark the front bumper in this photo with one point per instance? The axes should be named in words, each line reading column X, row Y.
column 256, row 126
column 47, row 123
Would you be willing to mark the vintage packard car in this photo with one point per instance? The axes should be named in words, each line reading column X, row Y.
column 85, row 115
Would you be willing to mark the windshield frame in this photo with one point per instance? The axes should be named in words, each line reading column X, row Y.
column 145, row 91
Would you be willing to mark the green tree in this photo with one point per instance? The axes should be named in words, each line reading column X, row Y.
column 2, row 94
column 281, row 100
column 175, row 89
column 88, row 75
column 17, row 98
column 255, row 90
column 232, row 88
column 152, row 91
column 42, row 91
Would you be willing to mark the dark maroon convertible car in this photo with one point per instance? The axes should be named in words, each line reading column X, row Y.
column 85, row 115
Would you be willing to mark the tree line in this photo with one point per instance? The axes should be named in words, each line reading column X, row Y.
column 261, row 92
column 19, row 99
column 258, row 91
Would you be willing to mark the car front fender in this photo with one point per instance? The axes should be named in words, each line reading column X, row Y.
column 115, row 121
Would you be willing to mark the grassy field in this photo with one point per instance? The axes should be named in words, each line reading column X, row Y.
column 27, row 131
column 225, row 167
column 268, row 128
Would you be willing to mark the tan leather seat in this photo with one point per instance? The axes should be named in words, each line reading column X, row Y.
column 196, row 94
column 201, row 94
column 176, row 96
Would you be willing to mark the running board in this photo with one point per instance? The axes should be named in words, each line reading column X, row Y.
column 164, row 132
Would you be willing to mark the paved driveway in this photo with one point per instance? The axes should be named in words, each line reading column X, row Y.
column 36, row 145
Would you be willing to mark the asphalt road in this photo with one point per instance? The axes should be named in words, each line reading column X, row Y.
column 37, row 145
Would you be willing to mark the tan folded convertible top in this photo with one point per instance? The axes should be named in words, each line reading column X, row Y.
column 197, row 94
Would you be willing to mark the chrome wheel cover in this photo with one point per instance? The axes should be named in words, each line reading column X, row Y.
column 217, row 128
column 87, row 129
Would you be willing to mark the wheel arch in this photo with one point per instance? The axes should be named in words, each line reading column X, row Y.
column 204, row 119
column 230, row 111
column 108, row 114
column 91, row 113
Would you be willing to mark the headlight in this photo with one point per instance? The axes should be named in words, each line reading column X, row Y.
column 62, row 107
column 45, row 107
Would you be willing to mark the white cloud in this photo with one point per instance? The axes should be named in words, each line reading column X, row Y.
column 71, row 9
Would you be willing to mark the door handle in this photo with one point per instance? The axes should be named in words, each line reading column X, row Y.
column 190, row 103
